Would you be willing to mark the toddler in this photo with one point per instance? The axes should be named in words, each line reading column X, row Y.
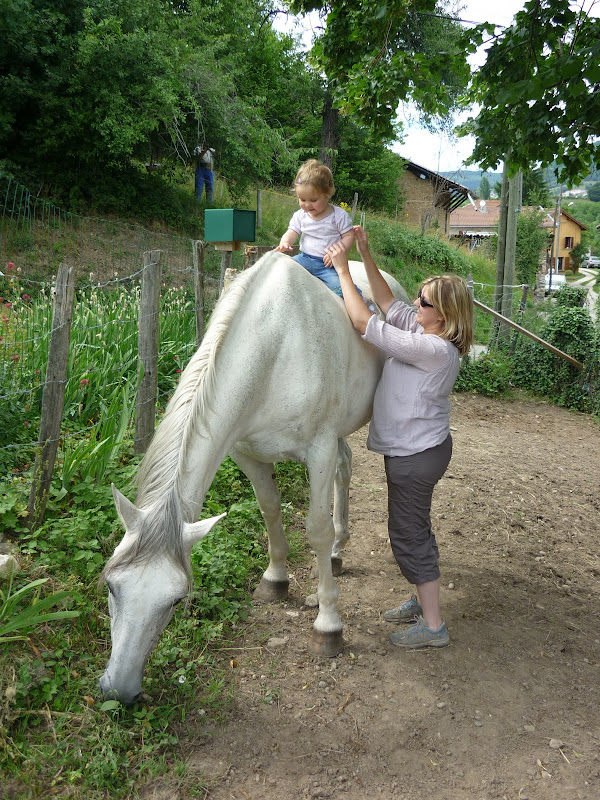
column 319, row 223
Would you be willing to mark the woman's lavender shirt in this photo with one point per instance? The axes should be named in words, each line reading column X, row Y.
column 411, row 410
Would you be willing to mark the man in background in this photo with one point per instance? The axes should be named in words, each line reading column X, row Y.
column 204, row 158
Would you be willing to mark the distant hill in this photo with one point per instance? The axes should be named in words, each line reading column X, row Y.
column 471, row 178
column 553, row 183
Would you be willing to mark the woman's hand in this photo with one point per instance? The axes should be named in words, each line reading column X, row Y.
column 362, row 242
column 339, row 258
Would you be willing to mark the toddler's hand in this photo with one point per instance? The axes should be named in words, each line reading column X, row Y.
column 338, row 257
column 282, row 247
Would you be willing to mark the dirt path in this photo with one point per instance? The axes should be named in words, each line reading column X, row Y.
column 510, row 710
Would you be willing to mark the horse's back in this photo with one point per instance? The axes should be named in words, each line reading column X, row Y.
column 296, row 334
column 359, row 276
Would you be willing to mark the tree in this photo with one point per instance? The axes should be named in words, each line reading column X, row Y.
column 484, row 187
column 577, row 254
column 593, row 192
column 538, row 92
column 375, row 56
column 531, row 241
column 368, row 168
column 90, row 89
column 535, row 189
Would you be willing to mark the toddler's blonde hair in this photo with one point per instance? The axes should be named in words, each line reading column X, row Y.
column 315, row 173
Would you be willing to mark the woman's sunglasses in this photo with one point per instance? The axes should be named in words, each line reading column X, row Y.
column 424, row 303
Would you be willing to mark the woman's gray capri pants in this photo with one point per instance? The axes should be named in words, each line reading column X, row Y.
column 411, row 481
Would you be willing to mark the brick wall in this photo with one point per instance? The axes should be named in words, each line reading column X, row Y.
column 418, row 203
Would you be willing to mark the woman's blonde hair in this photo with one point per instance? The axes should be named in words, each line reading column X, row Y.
column 315, row 173
column 452, row 299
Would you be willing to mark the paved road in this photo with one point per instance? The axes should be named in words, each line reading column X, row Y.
column 588, row 279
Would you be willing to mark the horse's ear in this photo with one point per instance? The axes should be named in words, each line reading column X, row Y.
column 193, row 532
column 128, row 513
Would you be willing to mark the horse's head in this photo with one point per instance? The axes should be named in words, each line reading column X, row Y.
column 142, row 594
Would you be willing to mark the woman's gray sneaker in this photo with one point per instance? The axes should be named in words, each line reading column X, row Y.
column 419, row 635
column 407, row 612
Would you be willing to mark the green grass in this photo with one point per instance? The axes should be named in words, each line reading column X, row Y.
column 55, row 732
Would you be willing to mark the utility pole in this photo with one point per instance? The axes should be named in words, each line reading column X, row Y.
column 559, row 214
column 515, row 191
column 510, row 206
column 500, row 252
column 555, row 238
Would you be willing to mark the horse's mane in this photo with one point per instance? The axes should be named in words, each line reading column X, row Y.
column 195, row 394
column 158, row 495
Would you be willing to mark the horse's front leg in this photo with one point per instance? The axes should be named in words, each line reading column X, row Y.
column 341, row 502
column 327, row 634
column 274, row 584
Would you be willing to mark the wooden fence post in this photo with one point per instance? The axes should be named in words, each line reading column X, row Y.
column 198, row 259
column 53, row 398
column 252, row 252
column 259, row 207
column 145, row 410
column 225, row 265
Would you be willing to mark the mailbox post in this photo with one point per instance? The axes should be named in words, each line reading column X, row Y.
column 227, row 228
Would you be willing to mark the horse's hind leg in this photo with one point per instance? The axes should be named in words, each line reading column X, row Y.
column 327, row 634
column 274, row 584
column 341, row 502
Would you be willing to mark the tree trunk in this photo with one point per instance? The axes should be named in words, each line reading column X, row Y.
column 330, row 137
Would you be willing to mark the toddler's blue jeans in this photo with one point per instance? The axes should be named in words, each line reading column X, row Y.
column 316, row 267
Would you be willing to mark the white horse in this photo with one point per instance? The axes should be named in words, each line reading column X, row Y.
column 281, row 374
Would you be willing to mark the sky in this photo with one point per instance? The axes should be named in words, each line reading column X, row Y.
column 436, row 151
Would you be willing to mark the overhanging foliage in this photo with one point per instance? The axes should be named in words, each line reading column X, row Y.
column 539, row 92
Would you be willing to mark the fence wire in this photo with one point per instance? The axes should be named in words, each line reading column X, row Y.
column 106, row 258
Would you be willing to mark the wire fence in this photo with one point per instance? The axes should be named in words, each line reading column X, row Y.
column 106, row 258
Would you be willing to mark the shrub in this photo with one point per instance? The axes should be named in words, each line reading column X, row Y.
column 435, row 255
column 488, row 375
column 539, row 370
column 571, row 296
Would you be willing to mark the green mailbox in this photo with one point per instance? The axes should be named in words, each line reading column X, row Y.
column 229, row 225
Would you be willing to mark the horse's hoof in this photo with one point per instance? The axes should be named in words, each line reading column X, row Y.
column 270, row 591
column 336, row 566
column 326, row 645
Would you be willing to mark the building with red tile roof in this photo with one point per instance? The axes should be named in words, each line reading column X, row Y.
column 472, row 224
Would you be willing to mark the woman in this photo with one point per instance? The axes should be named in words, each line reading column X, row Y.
column 411, row 421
